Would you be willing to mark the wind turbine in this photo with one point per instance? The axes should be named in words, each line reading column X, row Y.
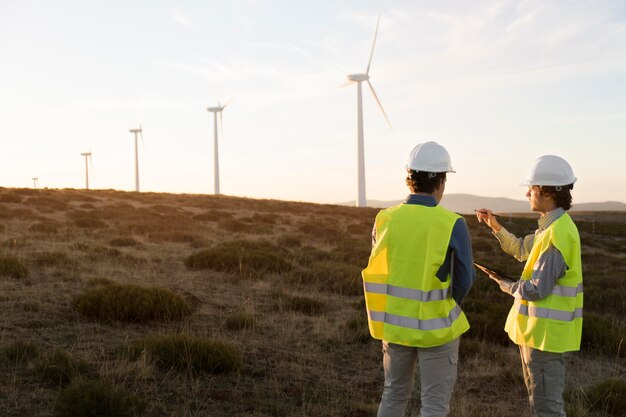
column 216, row 161
column 359, row 78
column 136, row 132
column 35, row 179
column 87, row 156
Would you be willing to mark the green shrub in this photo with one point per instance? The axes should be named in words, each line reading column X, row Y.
column 59, row 367
column 20, row 351
column 48, row 227
column 290, row 241
column 240, row 320
column 88, row 398
column 123, row 241
column 337, row 278
column 12, row 267
column 213, row 216
column 99, row 281
column 241, row 257
column 10, row 198
column 358, row 328
column 608, row 396
column 131, row 303
column 600, row 334
column 487, row 317
column 233, row 225
column 282, row 301
column 190, row 353
column 52, row 259
column 48, row 203
column 87, row 219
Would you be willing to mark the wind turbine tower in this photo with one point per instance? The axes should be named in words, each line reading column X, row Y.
column 216, row 160
column 87, row 156
column 35, row 179
column 136, row 132
column 360, row 78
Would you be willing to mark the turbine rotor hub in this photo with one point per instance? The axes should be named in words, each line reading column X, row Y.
column 358, row 77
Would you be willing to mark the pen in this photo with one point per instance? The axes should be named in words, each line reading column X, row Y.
column 494, row 215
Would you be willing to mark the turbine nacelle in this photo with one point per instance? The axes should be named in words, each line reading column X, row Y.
column 358, row 77
column 135, row 130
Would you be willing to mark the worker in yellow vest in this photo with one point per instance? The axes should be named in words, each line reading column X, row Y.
column 418, row 272
column 546, row 318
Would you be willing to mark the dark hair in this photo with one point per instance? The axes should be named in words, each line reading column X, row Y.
column 424, row 182
column 561, row 195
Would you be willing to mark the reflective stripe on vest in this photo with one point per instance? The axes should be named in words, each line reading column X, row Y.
column 547, row 313
column 408, row 293
column 567, row 291
column 416, row 324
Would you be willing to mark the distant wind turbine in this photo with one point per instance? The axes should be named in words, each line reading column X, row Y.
column 35, row 179
column 359, row 78
column 87, row 156
column 216, row 161
column 136, row 132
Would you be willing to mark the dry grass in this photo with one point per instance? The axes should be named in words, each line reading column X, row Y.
column 298, row 326
column 131, row 303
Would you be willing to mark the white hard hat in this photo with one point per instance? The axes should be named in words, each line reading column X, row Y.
column 430, row 157
column 550, row 170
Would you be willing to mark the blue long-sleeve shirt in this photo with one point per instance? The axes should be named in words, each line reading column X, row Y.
column 459, row 255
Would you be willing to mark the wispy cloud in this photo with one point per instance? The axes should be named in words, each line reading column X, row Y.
column 117, row 105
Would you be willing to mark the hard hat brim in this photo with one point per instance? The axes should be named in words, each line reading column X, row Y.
column 529, row 183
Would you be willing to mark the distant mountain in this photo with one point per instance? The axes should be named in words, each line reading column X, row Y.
column 467, row 203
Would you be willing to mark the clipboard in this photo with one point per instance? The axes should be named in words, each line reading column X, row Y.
column 490, row 272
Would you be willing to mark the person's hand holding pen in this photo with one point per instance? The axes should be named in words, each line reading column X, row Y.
column 486, row 216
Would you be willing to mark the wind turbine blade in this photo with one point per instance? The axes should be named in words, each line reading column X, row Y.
column 346, row 84
column 230, row 100
column 367, row 71
column 379, row 104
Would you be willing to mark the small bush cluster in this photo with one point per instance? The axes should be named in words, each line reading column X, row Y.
column 46, row 203
column 10, row 198
column 123, row 241
column 47, row 227
column 233, row 225
column 213, row 216
column 47, row 259
column 337, row 278
column 59, row 367
column 600, row 334
column 608, row 396
column 20, row 351
column 282, row 301
column 240, row 321
column 242, row 257
column 188, row 353
column 487, row 320
column 87, row 219
column 131, row 303
column 11, row 266
column 358, row 329
column 92, row 398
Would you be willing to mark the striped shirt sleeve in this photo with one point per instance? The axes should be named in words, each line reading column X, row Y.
column 547, row 270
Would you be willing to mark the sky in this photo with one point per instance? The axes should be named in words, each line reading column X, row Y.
column 498, row 83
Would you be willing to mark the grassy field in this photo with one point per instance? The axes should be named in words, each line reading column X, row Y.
column 187, row 305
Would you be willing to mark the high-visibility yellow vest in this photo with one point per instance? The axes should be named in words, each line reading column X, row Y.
column 553, row 324
column 406, row 303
